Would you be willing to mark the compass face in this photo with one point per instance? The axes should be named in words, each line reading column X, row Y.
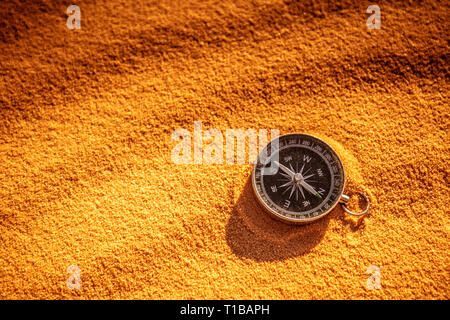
column 308, row 182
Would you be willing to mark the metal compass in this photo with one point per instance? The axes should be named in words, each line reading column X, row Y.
column 299, row 178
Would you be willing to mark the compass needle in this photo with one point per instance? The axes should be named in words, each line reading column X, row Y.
column 310, row 189
column 285, row 169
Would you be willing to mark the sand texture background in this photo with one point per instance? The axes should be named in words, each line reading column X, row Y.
column 86, row 176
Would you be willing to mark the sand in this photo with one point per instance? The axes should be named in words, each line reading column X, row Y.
column 85, row 148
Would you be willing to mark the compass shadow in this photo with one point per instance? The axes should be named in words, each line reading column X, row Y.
column 252, row 233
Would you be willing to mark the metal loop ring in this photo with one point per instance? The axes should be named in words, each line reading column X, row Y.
column 361, row 213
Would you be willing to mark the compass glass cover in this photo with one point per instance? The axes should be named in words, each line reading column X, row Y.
column 308, row 182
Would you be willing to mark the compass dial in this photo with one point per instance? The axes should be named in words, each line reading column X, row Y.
column 308, row 182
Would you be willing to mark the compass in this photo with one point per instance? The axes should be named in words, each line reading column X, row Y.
column 299, row 178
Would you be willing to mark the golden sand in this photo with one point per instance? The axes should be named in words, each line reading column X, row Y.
column 85, row 141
